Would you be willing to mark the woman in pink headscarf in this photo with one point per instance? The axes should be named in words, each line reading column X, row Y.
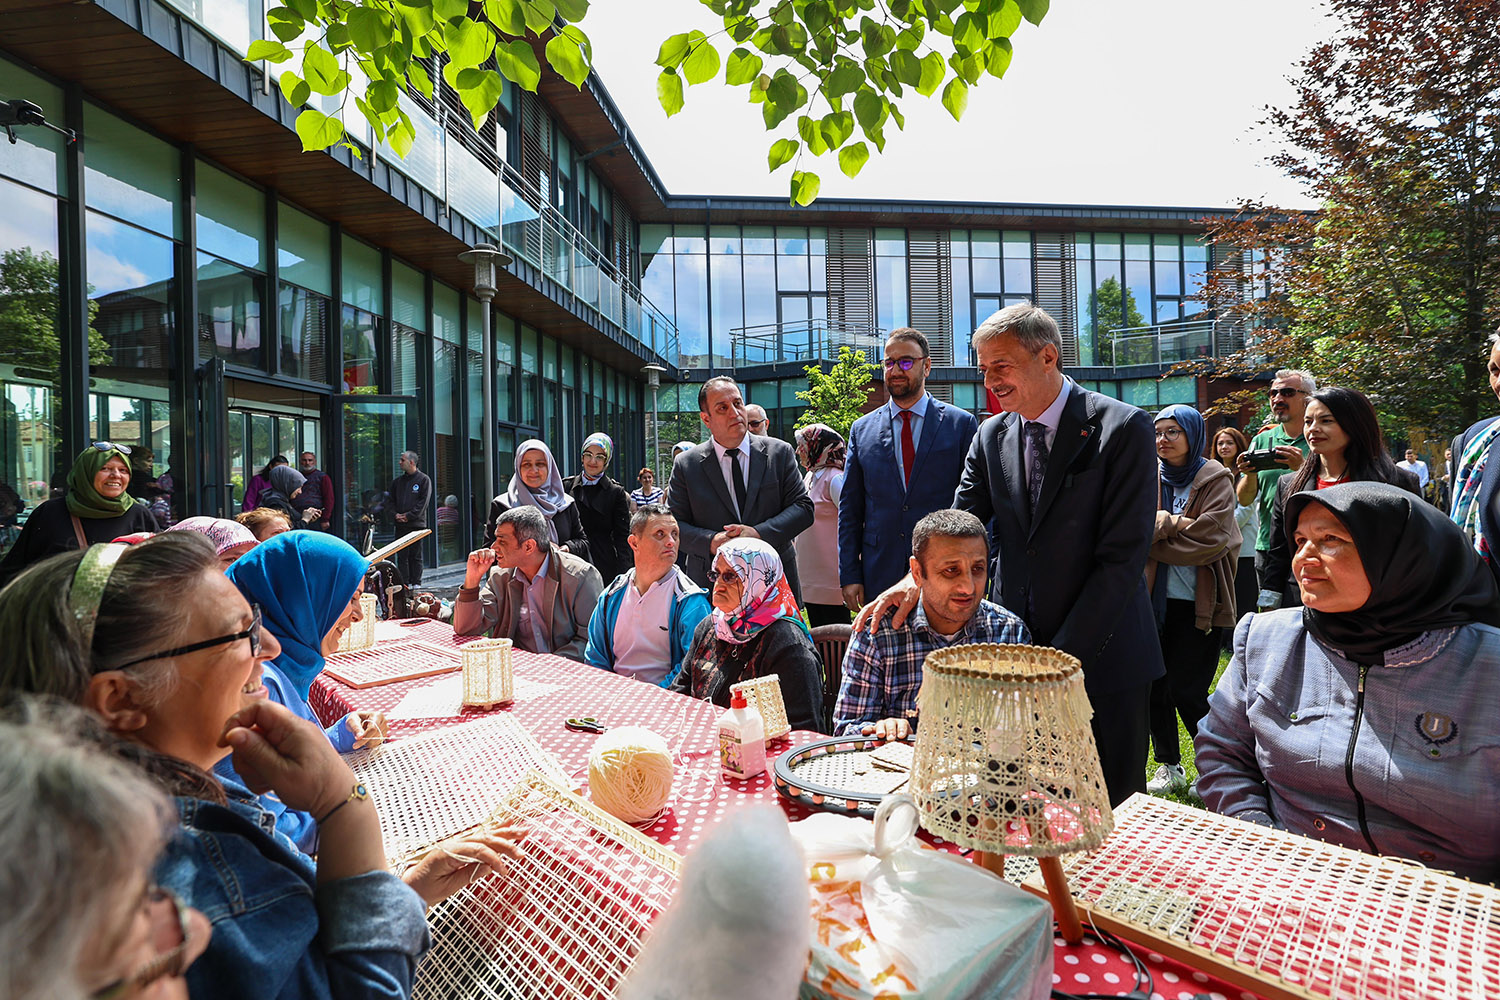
column 231, row 539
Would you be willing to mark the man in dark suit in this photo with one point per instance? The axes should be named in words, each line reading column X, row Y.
column 1488, row 499
column 736, row 485
column 904, row 462
column 1069, row 478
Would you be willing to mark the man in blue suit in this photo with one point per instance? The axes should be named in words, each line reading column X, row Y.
column 1479, row 514
column 904, row 462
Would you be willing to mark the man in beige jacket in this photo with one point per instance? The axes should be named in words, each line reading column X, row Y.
column 532, row 592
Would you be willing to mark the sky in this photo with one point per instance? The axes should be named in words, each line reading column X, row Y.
column 1107, row 102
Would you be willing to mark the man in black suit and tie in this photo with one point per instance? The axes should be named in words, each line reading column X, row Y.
column 736, row 485
column 1069, row 478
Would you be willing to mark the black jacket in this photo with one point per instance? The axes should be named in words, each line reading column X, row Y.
column 781, row 648
column 604, row 510
column 49, row 531
column 569, row 527
column 411, row 495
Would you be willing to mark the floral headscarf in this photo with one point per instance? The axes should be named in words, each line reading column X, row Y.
column 820, row 447
column 225, row 534
column 598, row 439
column 766, row 596
column 549, row 498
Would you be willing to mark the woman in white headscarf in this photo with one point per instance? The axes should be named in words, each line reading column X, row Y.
column 538, row 483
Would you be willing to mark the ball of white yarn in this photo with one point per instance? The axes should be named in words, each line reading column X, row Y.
column 630, row 773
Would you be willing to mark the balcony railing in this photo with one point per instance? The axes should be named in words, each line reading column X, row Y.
column 805, row 341
column 1166, row 344
column 491, row 194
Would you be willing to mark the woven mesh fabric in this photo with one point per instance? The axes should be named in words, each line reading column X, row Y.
column 565, row 921
column 436, row 784
column 373, row 667
column 764, row 693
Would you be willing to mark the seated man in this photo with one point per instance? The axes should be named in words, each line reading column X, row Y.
column 644, row 621
column 534, row 592
column 882, row 672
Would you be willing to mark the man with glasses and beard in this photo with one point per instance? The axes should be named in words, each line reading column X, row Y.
column 904, row 462
column 1289, row 393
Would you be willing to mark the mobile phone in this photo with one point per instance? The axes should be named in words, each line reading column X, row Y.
column 1263, row 460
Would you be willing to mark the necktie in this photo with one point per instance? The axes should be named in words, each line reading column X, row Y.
column 908, row 449
column 738, row 477
column 1036, row 434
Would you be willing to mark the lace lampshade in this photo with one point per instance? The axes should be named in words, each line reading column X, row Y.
column 1005, row 760
column 488, row 680
column 361, row 634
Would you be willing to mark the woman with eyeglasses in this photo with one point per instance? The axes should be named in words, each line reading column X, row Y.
column 80, row 832
column 1345, row 445
column 1190, row 572
column 755, row 629
column 95, row 508
column 306, row 586
column 156, row 641
column 603, row 508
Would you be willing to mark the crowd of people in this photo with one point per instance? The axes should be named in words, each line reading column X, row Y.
column 176, row 819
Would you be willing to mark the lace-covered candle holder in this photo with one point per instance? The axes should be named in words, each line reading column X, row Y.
column 764, row 693
column 488, row 679
column 361, row 634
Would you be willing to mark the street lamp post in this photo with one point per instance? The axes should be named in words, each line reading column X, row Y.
column 653, row 379
column 487, row 260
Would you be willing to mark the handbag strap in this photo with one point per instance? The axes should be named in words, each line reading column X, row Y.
column 83, row 543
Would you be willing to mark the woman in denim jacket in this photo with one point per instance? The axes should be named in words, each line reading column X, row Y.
column 155, row 640
column 1369, row 718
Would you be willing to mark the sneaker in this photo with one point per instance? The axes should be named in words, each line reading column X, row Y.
column 1168, row 778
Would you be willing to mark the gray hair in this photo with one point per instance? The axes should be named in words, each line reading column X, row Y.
column 1309, row 384
column 529, row 523
column 79, row 830
column 415, row 458
column 1492, row 341
column 646, row 512
column 1031, row 325
column 946, row 524
column 703, row 390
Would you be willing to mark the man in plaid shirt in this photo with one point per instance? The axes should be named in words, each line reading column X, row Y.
column 882, row 672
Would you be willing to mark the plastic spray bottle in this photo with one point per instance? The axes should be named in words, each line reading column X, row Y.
column 742, row 739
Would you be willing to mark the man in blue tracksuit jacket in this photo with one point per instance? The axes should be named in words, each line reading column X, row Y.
column 644, row 620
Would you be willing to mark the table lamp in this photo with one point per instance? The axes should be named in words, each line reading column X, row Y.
column 488, row 680
column 361, row 634
column 1005, row 761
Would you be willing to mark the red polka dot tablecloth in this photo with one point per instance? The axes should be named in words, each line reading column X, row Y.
column 551, row 689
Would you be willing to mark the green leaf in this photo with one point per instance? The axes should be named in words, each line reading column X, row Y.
column 518, row 62
column 817, row 17
column 999, row 60
column 469, row 42
column 1035, row 10
column 420, row 79
column 539, row 15
column 782, row 151
column 783, row 89
column 370, row 29
column 783, row 13
column 323, row 75
column 1004, row 21
column 868, row 108
column 401, row 136
column 837, row 128
column 673, row 51
column 933, row 71
column 907, row 67
column 295, row 89
column 572, row 10
column 565, row 56
column 956, row 98
column 418, row 19
column 383, row 94
column 702, row 62
column 804, row 187
column 669, row 91
column 337, row 39
column 774, row 114
column 967, row 32
column 449, row 10
column 317, row 130
column 306, row 9
column 353, row 149
column 852, row 158
column 264, row 48
column 742, row 67
column 506, row 16
column 812, row 135
column 286, row 24
column 480, row 91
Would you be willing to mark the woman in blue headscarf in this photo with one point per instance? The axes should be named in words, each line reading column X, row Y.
column 307, row 585
column 1191, row 576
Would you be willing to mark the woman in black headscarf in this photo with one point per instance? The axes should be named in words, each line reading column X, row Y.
column 1370, row 717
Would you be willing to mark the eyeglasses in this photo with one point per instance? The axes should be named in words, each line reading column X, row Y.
column 1169, row 433
column 169, row 963
column 1286, row 392
column 123, row 449
column 252, row 633
column 905, row 364
column 729, row 576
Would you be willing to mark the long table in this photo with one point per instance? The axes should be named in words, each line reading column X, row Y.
column 552, row 689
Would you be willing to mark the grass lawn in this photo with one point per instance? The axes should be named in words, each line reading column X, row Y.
column 1185, row 742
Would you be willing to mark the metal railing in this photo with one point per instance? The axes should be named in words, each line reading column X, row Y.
column 1163, row 344
column 804, row 340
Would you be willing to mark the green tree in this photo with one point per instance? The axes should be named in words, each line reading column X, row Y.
column 1113, row 306
column 28, row 315
column 837, row 397
column 830, row 75
column 1391, row 286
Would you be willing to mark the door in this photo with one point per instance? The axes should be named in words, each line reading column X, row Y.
column 374, row 431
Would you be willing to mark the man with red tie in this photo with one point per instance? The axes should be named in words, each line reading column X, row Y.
column 904, row 462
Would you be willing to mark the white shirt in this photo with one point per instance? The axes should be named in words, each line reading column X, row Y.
column 918, row 413
column 532, row 617
column 744, row 460
column 1418, row 469
column 1051, row 417
column 642, row 637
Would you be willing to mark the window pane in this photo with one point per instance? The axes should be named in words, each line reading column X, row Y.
column 361, row 331
column 1017, row 276
column 361, row 277
column 890, row 292
column 131, row 280
column 1168, row 246
column 986, row 274
column 729, row 305
column 890, row 243
column 985, row 243
column 1139, row 392
column 791, row 273
column 1018, row 244
column 689, row 239
column 408, row 297
column 691, row 273
column 724, row 239
column 304, row 331
column 791, row 240
column 758, row 239
column 37, row 156
column 231, row 218
column 1168, row 279
column 446, row 472
column 1137, row 246
column 131, row 175
column 404, row 371
column 229, row 299
column 302, row 250
column 1177, row 389
column 445, row 314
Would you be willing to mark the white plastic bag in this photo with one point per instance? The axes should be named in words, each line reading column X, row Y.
column 933, row 925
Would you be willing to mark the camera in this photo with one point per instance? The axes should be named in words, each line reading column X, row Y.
column 1263, row 460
